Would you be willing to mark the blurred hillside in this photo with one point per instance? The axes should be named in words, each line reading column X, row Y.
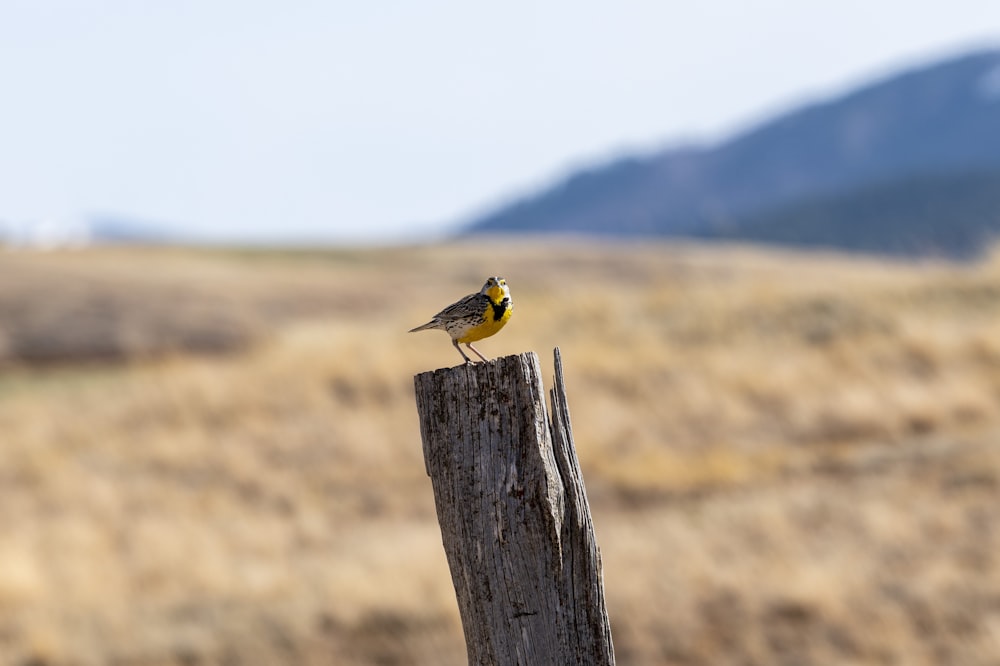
column 790, row 458
column 930, row 133
column 952, row 214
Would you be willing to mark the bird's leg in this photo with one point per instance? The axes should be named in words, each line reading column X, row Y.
column 468, row 361
column 469, row 345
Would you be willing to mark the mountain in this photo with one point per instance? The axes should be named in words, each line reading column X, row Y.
column 121, row 230
column 939, row 121
column 947, row 214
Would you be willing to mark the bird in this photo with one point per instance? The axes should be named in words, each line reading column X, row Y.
column 475, row 316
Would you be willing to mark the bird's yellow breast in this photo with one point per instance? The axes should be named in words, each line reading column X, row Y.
column 490, row 324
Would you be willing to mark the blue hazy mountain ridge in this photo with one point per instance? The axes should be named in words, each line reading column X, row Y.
column 935, row 127
column 948, row 214
column 104, row 228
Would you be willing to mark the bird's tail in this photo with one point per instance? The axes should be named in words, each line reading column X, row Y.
column 433, row 323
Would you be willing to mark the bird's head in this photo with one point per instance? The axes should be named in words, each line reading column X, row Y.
column 496, row 289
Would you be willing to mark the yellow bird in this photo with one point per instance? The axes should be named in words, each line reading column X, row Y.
column 474, row 317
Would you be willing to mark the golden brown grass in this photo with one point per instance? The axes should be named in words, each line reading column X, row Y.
column 790, row 458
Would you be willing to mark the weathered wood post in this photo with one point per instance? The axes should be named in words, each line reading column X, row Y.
column 514, row 516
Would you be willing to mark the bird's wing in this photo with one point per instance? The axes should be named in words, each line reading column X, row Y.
column 473, row 304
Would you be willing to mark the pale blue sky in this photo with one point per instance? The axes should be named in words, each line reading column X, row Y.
column 250, row 120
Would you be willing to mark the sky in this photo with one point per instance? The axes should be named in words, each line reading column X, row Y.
column 337, row 122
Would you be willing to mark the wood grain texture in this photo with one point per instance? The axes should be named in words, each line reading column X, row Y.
column 513, row 512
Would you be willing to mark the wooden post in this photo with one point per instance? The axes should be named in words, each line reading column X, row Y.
column 514, row 516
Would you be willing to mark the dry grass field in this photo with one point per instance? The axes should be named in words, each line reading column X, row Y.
column 212, row 456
